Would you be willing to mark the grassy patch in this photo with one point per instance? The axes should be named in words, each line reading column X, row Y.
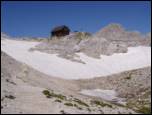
column 49, row 94
column 139, row 108
column 68, row 104
column 100, row 103
column 80, row 102
column 144, row 110
column 57, row 100
column 46, row 92
column 62, row 97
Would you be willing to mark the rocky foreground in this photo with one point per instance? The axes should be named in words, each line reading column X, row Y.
column 25, row 90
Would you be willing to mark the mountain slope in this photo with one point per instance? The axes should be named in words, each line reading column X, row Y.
column 22, row 92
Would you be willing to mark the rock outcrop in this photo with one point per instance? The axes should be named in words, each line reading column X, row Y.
column 116, row 33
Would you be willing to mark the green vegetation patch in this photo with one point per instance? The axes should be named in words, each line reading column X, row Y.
column 68, row 104
column 49, row 94
column 80, row 102
column 100, row 103
column 57, row 100
column 139, row 108
column 144, row 110
column 46, row 92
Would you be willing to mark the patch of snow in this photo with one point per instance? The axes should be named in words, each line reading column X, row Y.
column 108, row 95
column 51, row 64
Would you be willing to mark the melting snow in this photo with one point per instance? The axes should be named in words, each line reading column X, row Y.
column 51, row 64
column 109, row 95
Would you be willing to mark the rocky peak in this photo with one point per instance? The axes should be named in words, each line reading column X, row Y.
column 113, row 28
column 111, row 32
column 115, row 32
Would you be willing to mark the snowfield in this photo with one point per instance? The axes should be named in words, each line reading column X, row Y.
column 51, row 64
column 109, row 95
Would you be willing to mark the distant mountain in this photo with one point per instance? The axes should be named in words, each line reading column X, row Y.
column 117, row 33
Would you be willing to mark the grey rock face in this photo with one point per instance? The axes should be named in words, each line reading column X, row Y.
column 115, row 32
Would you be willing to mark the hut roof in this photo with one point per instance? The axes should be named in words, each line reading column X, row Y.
column 58, row 28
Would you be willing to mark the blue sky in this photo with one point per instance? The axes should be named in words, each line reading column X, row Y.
column 36, row 19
